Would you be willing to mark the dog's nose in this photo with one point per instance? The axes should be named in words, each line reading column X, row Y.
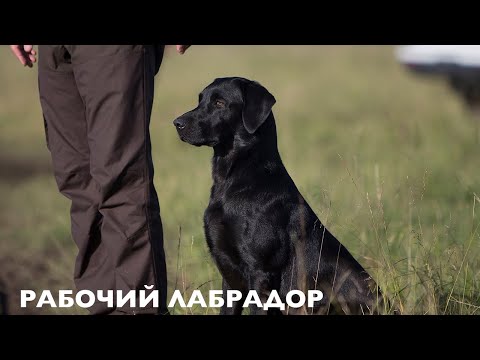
column 179, row 123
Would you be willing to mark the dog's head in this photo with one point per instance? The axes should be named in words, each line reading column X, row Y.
column 228, row 107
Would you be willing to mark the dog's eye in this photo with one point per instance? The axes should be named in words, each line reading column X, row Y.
column 219, row 103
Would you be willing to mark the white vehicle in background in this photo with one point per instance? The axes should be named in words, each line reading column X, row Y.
column 459, row 64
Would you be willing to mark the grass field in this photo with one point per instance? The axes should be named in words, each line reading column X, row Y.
column 388, row 160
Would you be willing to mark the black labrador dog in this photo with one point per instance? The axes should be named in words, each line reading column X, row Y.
column 260, row 231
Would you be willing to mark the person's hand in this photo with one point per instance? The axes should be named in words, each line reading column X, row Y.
column 182, row 48
column 25, row 54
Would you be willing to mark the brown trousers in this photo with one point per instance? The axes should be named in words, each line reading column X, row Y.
column 96, row 102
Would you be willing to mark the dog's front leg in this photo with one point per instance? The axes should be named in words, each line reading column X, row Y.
column 236, row 308
column 263, row 284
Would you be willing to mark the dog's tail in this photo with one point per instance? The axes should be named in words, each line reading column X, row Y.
column 347, row 287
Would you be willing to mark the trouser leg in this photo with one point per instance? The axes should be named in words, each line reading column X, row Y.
column 116, row 83
column 97, row 103
column 66, row 132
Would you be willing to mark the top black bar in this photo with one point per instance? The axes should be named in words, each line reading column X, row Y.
column 249, row 26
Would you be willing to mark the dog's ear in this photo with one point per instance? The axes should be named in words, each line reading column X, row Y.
column 257, row 105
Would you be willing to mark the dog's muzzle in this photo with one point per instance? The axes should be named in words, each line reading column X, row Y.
column 180, row 123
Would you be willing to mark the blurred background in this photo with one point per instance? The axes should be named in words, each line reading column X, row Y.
column 387, row 159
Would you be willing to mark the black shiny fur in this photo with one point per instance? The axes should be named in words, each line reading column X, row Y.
column 261, row 232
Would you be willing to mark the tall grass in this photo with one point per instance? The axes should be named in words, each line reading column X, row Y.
column 422, row 272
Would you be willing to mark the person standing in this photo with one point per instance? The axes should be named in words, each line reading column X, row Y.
column 97, row 102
